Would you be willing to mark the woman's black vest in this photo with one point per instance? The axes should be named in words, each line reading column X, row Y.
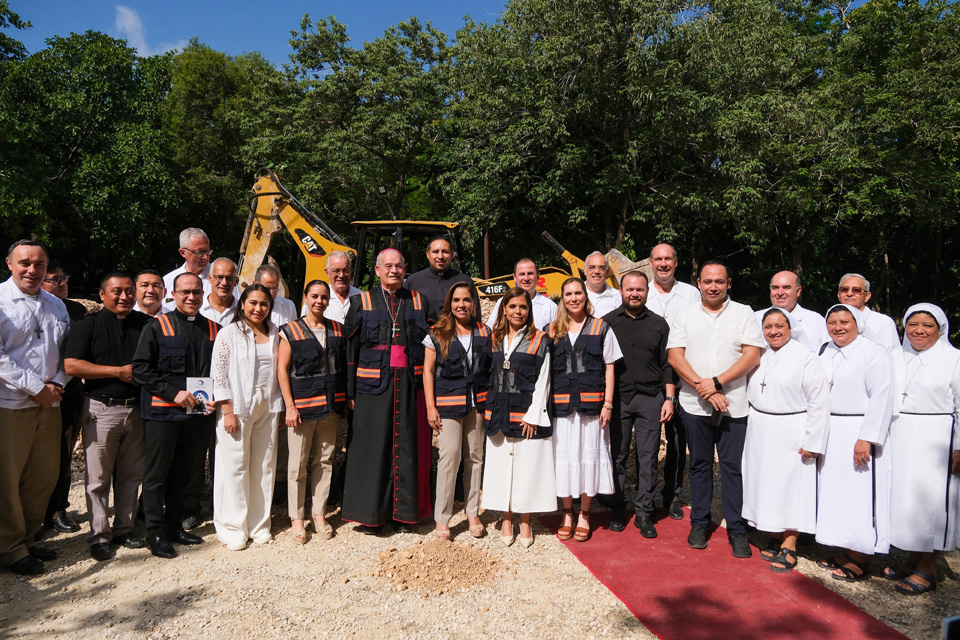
column 512, row 385
column 456, row 379
column 577, row 371
column 318, row 376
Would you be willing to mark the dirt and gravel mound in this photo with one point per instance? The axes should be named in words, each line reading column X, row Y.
column 437, row 567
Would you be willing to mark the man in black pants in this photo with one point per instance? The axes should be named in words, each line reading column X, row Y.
column 173, row 347
column 643, row 400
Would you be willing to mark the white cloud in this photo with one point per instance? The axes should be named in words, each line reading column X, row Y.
column 130, row 27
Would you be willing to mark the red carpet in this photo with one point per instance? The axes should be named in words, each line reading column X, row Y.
column 684, row 594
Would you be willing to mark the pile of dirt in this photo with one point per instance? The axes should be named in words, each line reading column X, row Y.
column 437, row 567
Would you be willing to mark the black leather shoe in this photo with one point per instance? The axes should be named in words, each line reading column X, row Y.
column 183, row 537
column 26, row 566
column 161, row 547
column 128, row 540
column 65, row 524
column 618, row 519
column 698, row 538
column 740, row 545
column 675, row 510
column 191, row 522
column 101, row 551
column 42, row 553
column 647, row 530
column 402, row 527
column 371, row 531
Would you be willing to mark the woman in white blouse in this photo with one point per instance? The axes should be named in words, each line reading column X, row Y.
column 247, row 394
column 925, row 445
column 786, row 429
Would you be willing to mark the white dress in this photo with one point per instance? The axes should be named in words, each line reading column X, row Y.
column 789, row 409
column 518, row 473
column 581, row 447
column 924, row 495
column 853, row 509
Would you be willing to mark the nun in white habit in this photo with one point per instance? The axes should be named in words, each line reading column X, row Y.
column 853, row 508
column 924, row 443
column 786, row 429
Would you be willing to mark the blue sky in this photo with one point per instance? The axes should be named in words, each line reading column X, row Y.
column 235, row 26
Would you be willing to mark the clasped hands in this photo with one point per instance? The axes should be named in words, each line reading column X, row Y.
column 707, row 390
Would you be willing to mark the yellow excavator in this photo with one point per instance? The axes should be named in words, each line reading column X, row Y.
column 274, row 210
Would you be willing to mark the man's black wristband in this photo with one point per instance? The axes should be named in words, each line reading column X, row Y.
column 716, row 382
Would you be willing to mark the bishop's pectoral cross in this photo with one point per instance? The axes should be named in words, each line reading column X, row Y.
column 396, row 329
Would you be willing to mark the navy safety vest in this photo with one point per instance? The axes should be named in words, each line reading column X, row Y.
column 318, row 375
column 172, row 365
column 456, row 379
column 375, row 327
column 511, row 390
column 577, row 371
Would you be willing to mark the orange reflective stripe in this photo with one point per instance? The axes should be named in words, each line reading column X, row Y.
column 165, row 325
column 340, row 396
column 482, row 396
column 368, row 373
column 418, row 370
column 296, row 330
column 563, row 398
column 213, row 330
column 365, row 301
column 446, row 401
column 590, row 396
column 417, row 304
column 595, row 327
column 487, row 415
column 336, row 328
column 316, row 401
column 535, row 342
column 482, row 329
column 157, row 401
column 516, row 417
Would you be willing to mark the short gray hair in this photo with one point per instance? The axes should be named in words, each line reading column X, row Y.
column 338, row 254
column 606, row 262
column 380, row 255
column 232, row 263
column 866, row 283
column 265, row 268
column 191, row 232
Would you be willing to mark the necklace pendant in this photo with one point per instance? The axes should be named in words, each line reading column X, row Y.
column 763, row 387
column 506, row 365
column 39, row 332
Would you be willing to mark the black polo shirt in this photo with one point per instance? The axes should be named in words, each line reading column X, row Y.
column 643, row 340
column 105, row 339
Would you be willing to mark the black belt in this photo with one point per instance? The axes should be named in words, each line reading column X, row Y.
column 770, row 413
column 914, row 413
column 848, row 415
column 114, row 402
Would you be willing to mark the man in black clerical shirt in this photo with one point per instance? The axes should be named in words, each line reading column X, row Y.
column 173, row 347
column 435, row 281
column 100, row 350
column 644, row 396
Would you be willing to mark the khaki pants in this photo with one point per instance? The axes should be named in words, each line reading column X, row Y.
column 313, row 441
column 29, row 466
column 461, row 438
column 113, row 439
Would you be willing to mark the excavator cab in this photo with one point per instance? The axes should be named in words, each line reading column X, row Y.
column 410, row 237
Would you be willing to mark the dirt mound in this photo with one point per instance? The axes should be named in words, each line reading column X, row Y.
column 437, row 567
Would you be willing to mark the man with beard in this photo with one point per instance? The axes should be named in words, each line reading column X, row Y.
column 434, row 281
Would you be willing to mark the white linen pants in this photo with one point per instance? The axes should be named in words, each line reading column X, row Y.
column 244, row 472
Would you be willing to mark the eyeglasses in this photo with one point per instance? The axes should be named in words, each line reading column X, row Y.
column 854, row 290
column 186, row 293
column 339, row 272
column 227, row 279
column 199, row 254
column 596, row 267
column 57, row 280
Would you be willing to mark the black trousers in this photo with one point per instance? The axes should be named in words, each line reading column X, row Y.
column 174, row 451
column 727, row 437
column 675, row 459
column 639, row 419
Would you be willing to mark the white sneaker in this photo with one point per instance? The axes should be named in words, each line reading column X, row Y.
column 263, row 538
column 236, row 546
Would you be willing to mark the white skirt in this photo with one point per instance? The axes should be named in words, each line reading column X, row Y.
column 779, row 486
column 924, row 496
column 582, row 452
column 518, row 475
column 853, row 509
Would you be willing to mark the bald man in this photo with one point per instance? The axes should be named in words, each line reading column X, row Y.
column 808, row 327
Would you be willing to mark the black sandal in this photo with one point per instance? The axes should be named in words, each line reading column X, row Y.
column 833, row 563
column 848, row 575
column 913, row 587
column 771, row 550
column 782, row 563
column 897, row 573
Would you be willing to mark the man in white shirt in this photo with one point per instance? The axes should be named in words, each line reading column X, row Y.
column 603, row 297
column 712, row 347
column 195, row 249
column 854, row 290
column 220, row 305
column 33, row 327
column 811, row 328
column 526, row 275
column 150, row 293
column 666, row 297
column 284, row 310
column 339, row 275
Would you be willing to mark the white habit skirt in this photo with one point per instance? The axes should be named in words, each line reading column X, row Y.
column 519, row 475
column 779, row 486
column 582, row 451
column 853, row 510
column 924, row 497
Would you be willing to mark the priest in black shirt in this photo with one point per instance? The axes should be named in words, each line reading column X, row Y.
column 173, row 347
column 434, row 281
column 643, row 399
column 100, row 350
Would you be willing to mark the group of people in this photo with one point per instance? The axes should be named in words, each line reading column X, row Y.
column 822, row 425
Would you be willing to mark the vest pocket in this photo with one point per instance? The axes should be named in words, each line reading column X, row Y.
column 526, row 378
column 370, row 371
column 593, row 357
column 172, row 362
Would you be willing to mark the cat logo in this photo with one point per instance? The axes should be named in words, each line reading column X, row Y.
column 310, row 244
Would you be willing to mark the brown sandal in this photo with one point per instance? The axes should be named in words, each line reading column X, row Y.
column 565, row 532
column 581, row 534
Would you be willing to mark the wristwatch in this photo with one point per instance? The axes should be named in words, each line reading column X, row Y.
column 716, row 382
column 672, row 399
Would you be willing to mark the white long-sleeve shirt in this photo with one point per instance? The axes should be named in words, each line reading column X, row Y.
column 234, row 368
column 28, row 360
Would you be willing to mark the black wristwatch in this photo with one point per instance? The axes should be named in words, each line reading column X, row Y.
column 672, row 399
column 716, row 381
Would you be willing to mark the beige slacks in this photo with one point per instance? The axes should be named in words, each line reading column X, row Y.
column 312, row 442
column 29, row 466
column 113, row 440
column 459, row 438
